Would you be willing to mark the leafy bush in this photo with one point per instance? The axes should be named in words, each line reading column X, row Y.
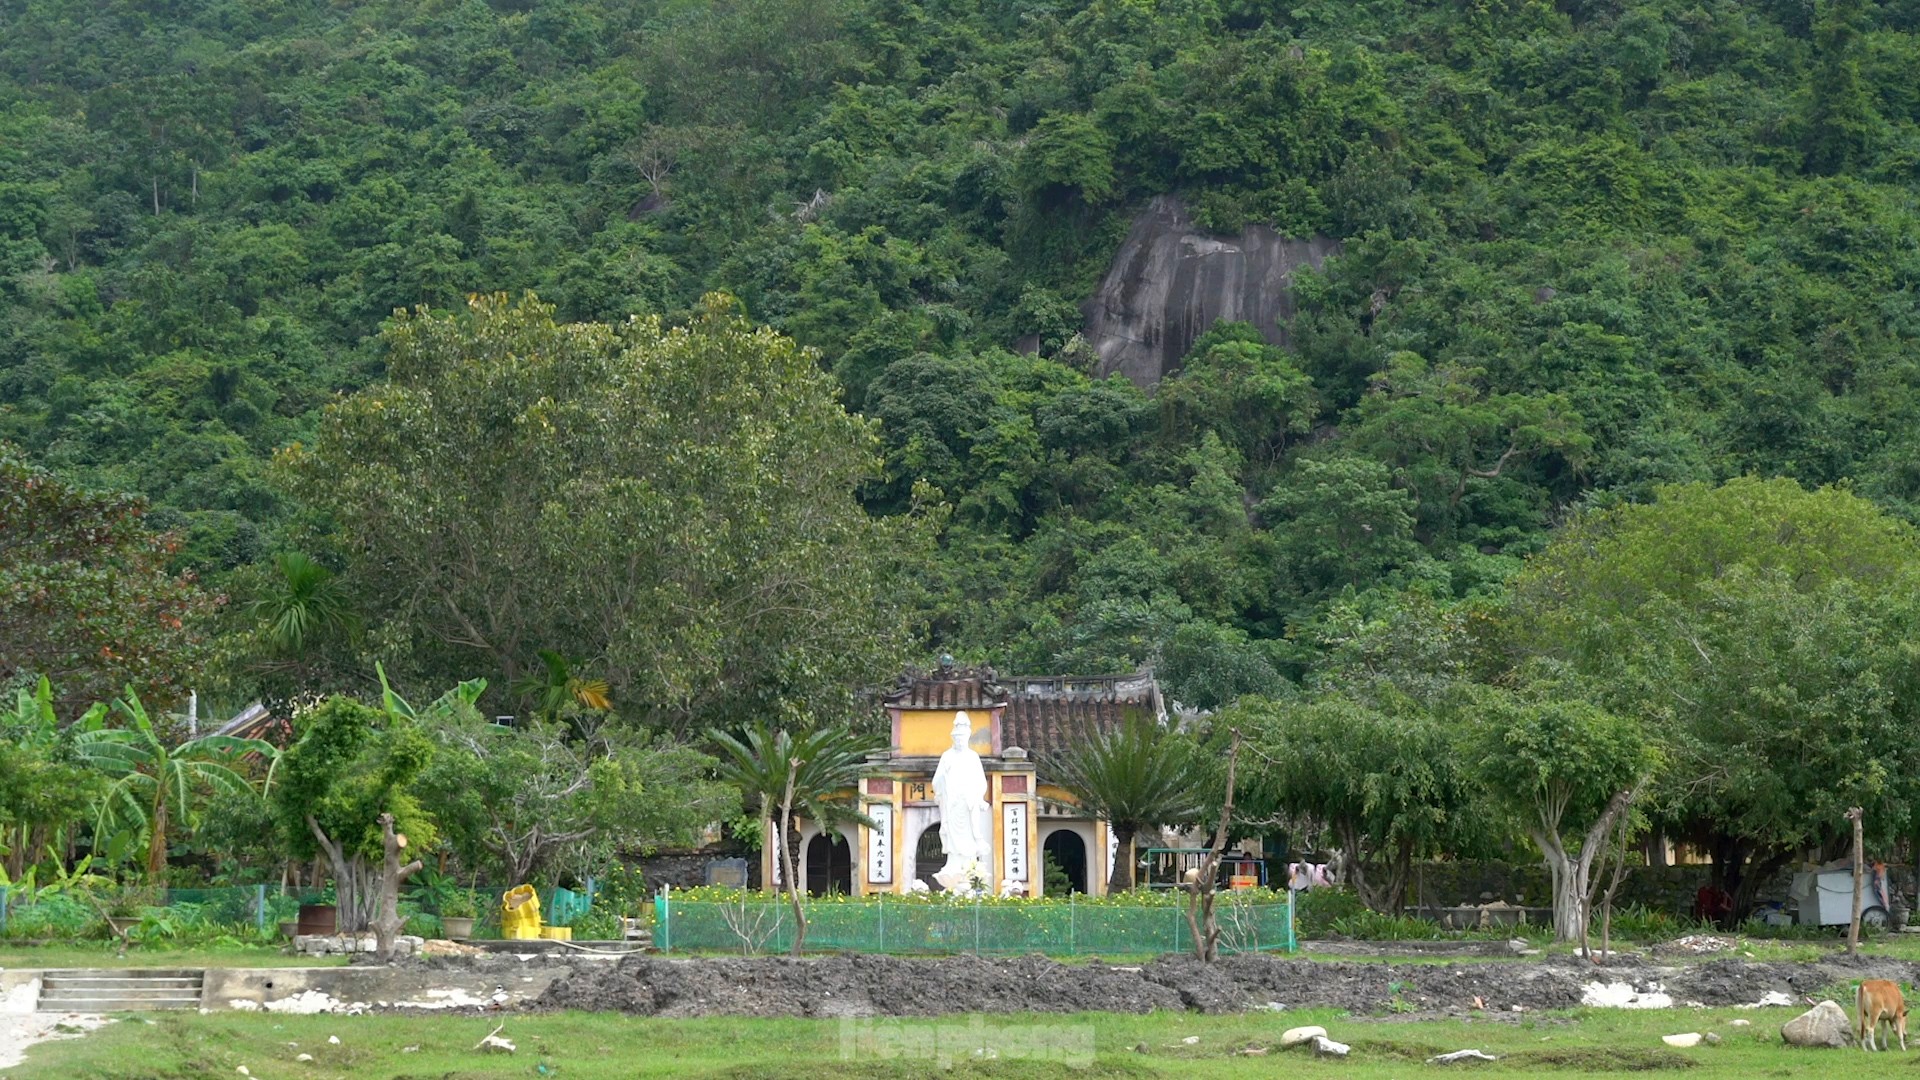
column 1321, row 908
column 1376, row 926
column 599, row 924
column 622, row 890
column 56, row 916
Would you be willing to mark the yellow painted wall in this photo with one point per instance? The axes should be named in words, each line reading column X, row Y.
column 929, row 732
column 1057, row 794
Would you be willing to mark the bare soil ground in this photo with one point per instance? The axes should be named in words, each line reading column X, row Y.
column 837, row 986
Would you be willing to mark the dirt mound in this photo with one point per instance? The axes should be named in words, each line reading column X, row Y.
column 1730, row 981
column 923, row 986
column 856, row 986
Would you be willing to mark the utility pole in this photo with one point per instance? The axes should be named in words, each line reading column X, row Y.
column 1853, row 926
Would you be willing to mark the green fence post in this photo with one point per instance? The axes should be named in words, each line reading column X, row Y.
column 260, row 907
column 666, row 917
column 1072, row 947
column 3, row 908
column 1176, row 930
column 882, row 947
column 976, row 928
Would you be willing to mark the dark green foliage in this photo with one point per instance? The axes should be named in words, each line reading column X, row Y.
column 1587, row 250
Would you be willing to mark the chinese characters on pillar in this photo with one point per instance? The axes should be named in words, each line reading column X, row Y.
column 880, row 844
column 1014, row 830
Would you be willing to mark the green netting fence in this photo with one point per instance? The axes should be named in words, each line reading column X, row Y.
column 1055, row 928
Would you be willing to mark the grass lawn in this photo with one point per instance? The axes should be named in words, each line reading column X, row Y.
column 104, row 954
column 1587, row 1043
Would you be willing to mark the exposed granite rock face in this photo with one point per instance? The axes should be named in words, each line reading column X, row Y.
column 1170, row 282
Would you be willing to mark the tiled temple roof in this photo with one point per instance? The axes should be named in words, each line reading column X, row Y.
column 1047, row 714
column 1044, row 714
column 946, row 687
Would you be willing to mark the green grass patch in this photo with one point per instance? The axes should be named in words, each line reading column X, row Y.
column 104, row 954
column 593, row 1045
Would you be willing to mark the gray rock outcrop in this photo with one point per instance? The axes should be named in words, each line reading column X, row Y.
column 1825, row 1024
column 1171, row 281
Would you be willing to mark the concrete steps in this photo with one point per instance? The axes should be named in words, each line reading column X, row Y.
column 121, row 990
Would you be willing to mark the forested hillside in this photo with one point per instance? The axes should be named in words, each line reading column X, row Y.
column 1589, row 248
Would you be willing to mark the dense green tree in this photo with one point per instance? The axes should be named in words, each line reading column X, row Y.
column 1566, row 771
column 87, row 597
column 350, row 766
column 531, row 799
column 44, row 786
column 1382, row 778
column 1758, row 630
column 1584, row 252
column 673, row 506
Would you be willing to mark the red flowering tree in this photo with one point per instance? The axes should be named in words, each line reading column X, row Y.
column 86, row 597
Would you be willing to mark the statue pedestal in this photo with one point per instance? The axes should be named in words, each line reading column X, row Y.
column 960, row 879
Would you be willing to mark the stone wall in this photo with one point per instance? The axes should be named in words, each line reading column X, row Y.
column 687, row 870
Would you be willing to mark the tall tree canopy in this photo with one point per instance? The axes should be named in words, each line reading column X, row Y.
column 88, row 597
column 1582, row 250
column 673, row 505
column 1762, row 634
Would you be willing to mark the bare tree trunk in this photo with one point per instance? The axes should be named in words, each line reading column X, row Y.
column 1853, row 924
column 157, row 842
column 1202, row 891
column 1121, row 879
column 1572, row 871
column 786, row 857
column 1613, row 886
column 387, row 926
column 355, row 894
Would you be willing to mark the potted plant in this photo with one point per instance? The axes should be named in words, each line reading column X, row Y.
column 278, row 909
column 125, row 907
column 457, row 912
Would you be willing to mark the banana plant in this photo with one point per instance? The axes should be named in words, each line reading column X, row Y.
column 152, row 786
column 42, row 789
column 461, row 699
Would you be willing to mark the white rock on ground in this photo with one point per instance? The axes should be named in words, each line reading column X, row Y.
column 1826, row 1024
column 18, row 1031
column 1295, row 1036
column 1621, row 995
column 1326, row 1047
column 1743, row 1022
column 1691, row 1038
column 1772, row 999
column 1461, row 1055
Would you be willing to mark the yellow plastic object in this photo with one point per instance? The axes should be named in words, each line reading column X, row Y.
column 557, row 933
column 520, row 913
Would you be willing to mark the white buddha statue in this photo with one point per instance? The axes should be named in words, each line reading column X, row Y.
column 966, row 830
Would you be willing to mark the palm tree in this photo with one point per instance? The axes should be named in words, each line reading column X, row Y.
column 153, row 784
column 1137, row 777
column 302, row 604
column 830, row 759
